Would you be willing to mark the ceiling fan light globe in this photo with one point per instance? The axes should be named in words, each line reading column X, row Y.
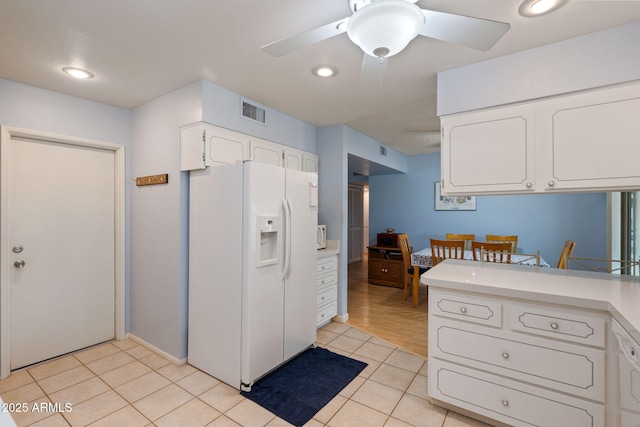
column 385, row 24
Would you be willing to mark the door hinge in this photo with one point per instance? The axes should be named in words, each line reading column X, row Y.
column 204, row 145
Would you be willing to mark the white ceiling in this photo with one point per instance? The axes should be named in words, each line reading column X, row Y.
column 141, row 49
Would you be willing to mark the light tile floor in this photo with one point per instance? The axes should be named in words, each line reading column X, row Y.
column 122, row 383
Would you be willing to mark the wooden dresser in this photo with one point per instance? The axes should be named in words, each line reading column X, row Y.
column 385, row 266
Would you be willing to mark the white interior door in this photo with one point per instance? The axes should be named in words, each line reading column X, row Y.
column 61, row 206
column 356, row 220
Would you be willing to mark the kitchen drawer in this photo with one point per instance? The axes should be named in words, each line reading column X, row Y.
column 509, row 401
column 564, row 325
column 327, row 264
column 327, row 279
column 326, row 312
column 466, row 307
column 559, row 366
column 327, row 294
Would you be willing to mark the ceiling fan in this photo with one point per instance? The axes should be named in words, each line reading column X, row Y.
column 383, row 28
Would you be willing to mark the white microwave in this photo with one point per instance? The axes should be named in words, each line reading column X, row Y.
column 322, row 236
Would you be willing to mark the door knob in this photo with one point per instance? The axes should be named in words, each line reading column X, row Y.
column 19, row 263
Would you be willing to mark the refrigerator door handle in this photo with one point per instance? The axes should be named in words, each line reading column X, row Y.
column 288, row 239
column 286, row 247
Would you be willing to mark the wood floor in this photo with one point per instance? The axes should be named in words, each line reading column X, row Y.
column 380, row 311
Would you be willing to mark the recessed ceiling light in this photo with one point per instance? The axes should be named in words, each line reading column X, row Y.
column 538, row 7
column 324, row 71
column 541, row 6
column 78, row 73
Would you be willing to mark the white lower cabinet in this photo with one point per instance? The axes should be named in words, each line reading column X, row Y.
column 327, row 296
column 629, row 376
column 516, row 362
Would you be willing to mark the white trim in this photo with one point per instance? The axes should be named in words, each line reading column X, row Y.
column 159, row 352
column 341, row 318
column 6, row 133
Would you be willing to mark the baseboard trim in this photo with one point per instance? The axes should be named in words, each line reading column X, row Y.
column 156, row 350
column 341, row 318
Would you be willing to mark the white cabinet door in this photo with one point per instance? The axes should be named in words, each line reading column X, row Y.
column 293, row 158
column 225, row 147
column 489, row 151
column 268, row 152
column 300, row 160
column 309, row 162
column 592, row 140
column 205, row 145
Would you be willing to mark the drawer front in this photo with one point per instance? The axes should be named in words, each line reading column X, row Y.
column 508, row 401
column 327, row 264
column 327, row 279
column 466, row 307
column 566, row 326
column 327, row 294
column 325, row 313
column 564, row 367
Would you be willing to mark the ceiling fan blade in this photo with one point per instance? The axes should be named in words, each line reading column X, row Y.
column 476, row 33
column 289, row 44
column 374, row 70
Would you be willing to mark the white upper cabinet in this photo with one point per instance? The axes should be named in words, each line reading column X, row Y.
column 300, row 160
column 205, row 145
column 266, row 152
column 488, row 151
column 592, row 140
column 588, row 141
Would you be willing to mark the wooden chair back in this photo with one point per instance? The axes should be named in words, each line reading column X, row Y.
column 468, row 238
column 491, row 252
column 443, row 249
column 407, row 273
column 405, row 248
column 567, row 250
column 493, row 238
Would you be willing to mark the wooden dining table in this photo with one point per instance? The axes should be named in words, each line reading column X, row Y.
column 422, row 259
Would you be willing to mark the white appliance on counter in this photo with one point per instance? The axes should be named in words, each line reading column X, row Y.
column 252, row 269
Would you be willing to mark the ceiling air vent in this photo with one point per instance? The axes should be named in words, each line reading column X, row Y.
column 253, row 112
column 383, row 150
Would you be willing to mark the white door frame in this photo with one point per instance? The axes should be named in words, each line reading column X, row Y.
column 6, row 133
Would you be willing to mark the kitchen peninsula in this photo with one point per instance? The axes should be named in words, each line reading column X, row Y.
column 533, row 346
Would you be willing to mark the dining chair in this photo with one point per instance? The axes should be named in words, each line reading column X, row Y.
column 443, row 249
column 493, row 238
column 491, row 252
column 567, row 250
column 408, row 272
column 468, row 238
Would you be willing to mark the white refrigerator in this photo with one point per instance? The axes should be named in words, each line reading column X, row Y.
column 252, row 269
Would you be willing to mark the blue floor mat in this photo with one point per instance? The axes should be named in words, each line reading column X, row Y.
column 297, row 390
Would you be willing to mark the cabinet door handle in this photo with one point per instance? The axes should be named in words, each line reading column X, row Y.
column 551, row 183
column 529, row 184
column 463, row 310
column 505, row 355
column 505, row 403
column 554, row 325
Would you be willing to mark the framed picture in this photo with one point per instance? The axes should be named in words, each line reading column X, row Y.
column 453, row 203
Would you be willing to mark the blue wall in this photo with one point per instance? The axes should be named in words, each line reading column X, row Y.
column 542, row 222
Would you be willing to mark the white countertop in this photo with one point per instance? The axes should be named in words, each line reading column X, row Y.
column 333, row 248
column 619, row 295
